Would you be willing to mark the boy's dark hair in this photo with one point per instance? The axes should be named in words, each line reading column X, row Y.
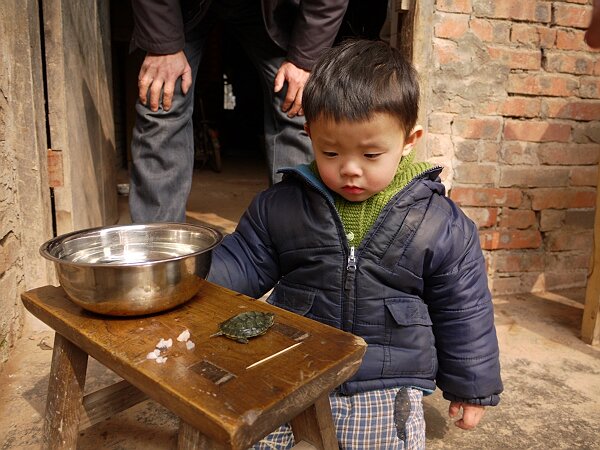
column 358, row 78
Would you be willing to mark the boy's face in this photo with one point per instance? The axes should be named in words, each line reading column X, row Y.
column 359, row 159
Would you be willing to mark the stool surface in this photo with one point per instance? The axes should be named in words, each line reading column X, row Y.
column 234, row 393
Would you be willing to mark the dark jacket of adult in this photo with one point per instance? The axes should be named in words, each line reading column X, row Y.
column 416, row 289
column 301, row 28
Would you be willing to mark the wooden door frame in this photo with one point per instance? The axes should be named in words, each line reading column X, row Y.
column 80, row 112
column 590, row 324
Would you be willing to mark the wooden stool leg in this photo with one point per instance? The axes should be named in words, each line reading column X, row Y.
column 189, row 438
column 315, row 425
column 65, row 394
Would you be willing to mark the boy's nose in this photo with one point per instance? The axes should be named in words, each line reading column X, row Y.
column 350, row 169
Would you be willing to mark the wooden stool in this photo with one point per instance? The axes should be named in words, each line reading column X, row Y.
column 228, row 395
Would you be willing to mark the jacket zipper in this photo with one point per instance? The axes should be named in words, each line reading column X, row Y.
column 350, row 270
column 348, row 284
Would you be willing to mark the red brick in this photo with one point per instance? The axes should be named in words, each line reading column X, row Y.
column 529, row 177
column 483, row 29
column 523, row 282
column 477, row 173
column 471, row 150
column 576, row 63
column 589, row 87
column 569, row 39
column 553, row 85
column 562, row 240
column 517, row 152
column 523, row 261
column 514, row 58
column 451, row 26
column 571, row 15
column 533, row 35
column 572, row 109
column 531, row 10
column 486, row 107
column 490, row 30
column 584, row 132
column 445, row 51
column 466, row 150
column 569, row 154
column 569, row 260
column 517, row 218
column 483, row 217
column 484, row 128
column 551, row 198
column 547, row 37
column 457, row 6
column 440, row 144
column 440, row 123
column 584, row 176
column 486, row 197
column 536, row 131
column 553, row 219
column 554, row 281
column 580, row 218
column 521, row 107
column 507, row 239
column 489, row 151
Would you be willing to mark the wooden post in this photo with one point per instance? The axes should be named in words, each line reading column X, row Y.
column 65, row 395
column 590, row 326
column 189, row 438
column 315, row 425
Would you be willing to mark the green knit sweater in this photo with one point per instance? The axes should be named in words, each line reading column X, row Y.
column 359, row 217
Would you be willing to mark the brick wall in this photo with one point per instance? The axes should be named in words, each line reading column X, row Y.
column 514, row 110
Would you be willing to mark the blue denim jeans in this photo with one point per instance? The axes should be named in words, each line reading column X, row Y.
column 162, row 147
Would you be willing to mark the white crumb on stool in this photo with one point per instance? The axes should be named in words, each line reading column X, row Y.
column 164, row 344
column 161, row 359
column 184, row 336
column 189, row 345
column 153, row 354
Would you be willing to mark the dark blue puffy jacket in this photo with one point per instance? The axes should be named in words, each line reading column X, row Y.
column 415, row 289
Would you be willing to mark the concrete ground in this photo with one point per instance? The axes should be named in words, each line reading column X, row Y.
column 551, row 378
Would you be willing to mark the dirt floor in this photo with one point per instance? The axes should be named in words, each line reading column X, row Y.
column 551, row 378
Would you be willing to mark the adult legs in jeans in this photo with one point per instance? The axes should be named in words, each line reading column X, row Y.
column 287, row 144
column 162, row 150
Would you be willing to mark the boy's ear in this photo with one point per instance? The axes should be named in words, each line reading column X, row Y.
column 307, row 128
column 411, row 139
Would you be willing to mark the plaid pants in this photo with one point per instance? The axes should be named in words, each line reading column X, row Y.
column 365, row 421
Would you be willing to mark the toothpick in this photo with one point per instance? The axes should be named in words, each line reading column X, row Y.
column 273, row 355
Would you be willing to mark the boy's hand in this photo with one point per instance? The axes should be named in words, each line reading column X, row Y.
column 471, row 416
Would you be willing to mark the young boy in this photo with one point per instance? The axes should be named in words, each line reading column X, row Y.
column 364, row 240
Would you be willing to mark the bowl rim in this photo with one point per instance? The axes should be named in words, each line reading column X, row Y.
column 55, row 241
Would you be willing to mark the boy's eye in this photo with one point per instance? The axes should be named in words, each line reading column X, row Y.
column 330, row 154
column 372, row 155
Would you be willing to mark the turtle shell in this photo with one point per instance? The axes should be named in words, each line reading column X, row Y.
column 246, row 325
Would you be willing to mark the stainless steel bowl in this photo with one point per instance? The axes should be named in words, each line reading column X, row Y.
column 132, row 269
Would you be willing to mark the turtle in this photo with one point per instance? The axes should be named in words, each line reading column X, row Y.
column 245, row 325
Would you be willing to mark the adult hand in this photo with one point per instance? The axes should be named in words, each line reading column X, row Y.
column 159, row 73
column 592, row 34
column 471, row 416
column 296, row 79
